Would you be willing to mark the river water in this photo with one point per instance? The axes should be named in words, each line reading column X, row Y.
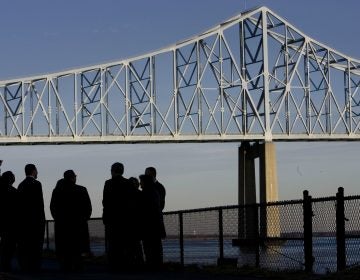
column 287, row 256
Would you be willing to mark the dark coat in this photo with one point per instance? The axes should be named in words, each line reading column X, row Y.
column 9, row 204
column 71, row 209
column 153, row 224
column 31, row 210
column 8, row 224
column 162, row 193
column 31, row 224
column 121, row 207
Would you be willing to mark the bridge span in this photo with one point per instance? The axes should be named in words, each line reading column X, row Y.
column 254, row 77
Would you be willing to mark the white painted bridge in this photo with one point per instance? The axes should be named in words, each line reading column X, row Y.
column 252, row 77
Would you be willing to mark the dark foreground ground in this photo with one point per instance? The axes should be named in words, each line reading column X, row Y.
column 95, row 271
column 98, row 271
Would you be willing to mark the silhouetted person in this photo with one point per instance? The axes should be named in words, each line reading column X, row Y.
column 139, row 255
column 151, row 171
column 32, row 221
column 8, row 220
column 135, row 183
column 152, row 223
column 120, row 206
column 71, row 209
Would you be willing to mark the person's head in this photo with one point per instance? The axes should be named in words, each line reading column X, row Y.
column 151, row 171
column 8, row 178
column 134, row 182
column 30, row 170
column 117, row 169
column 70, row 176
column 146, row 181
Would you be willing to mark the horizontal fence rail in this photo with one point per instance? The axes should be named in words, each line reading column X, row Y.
column 312, row 234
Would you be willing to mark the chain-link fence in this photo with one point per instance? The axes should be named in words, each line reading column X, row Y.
column 320, row 234
column 352, row 228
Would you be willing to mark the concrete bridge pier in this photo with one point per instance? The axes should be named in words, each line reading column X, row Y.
column 247, row 190
column 268, row 191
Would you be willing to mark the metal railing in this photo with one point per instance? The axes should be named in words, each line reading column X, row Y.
column 312, row 234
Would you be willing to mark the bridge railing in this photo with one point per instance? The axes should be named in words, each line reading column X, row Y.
column 313, row 234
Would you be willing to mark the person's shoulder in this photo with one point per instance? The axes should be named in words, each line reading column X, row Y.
column 109, row 183
column 60, row 183
column 159, row 185
column 8, row 190
column 81, row 188
column 37, row 182
column 30, row 180
column 23, row 183
column 122, row 180
column 127, row 181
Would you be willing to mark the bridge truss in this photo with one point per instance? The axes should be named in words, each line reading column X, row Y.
column 253, row 77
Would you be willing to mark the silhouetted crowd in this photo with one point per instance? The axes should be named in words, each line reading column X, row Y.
column 132, row 216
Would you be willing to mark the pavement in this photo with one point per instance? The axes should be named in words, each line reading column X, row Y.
column 127, row 276
column 50, row 270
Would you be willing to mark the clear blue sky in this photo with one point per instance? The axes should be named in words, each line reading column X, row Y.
column 42, row 36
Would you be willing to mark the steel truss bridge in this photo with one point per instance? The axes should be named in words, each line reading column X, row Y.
column 252, row 77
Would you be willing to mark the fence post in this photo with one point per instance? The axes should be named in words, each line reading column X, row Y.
column 47, row 235
column 181, row 238
column 221, row 235
column 340, row 230
column 308, row 242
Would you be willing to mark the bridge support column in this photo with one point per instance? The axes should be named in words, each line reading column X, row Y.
column 247, row 189
column 269, row 217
